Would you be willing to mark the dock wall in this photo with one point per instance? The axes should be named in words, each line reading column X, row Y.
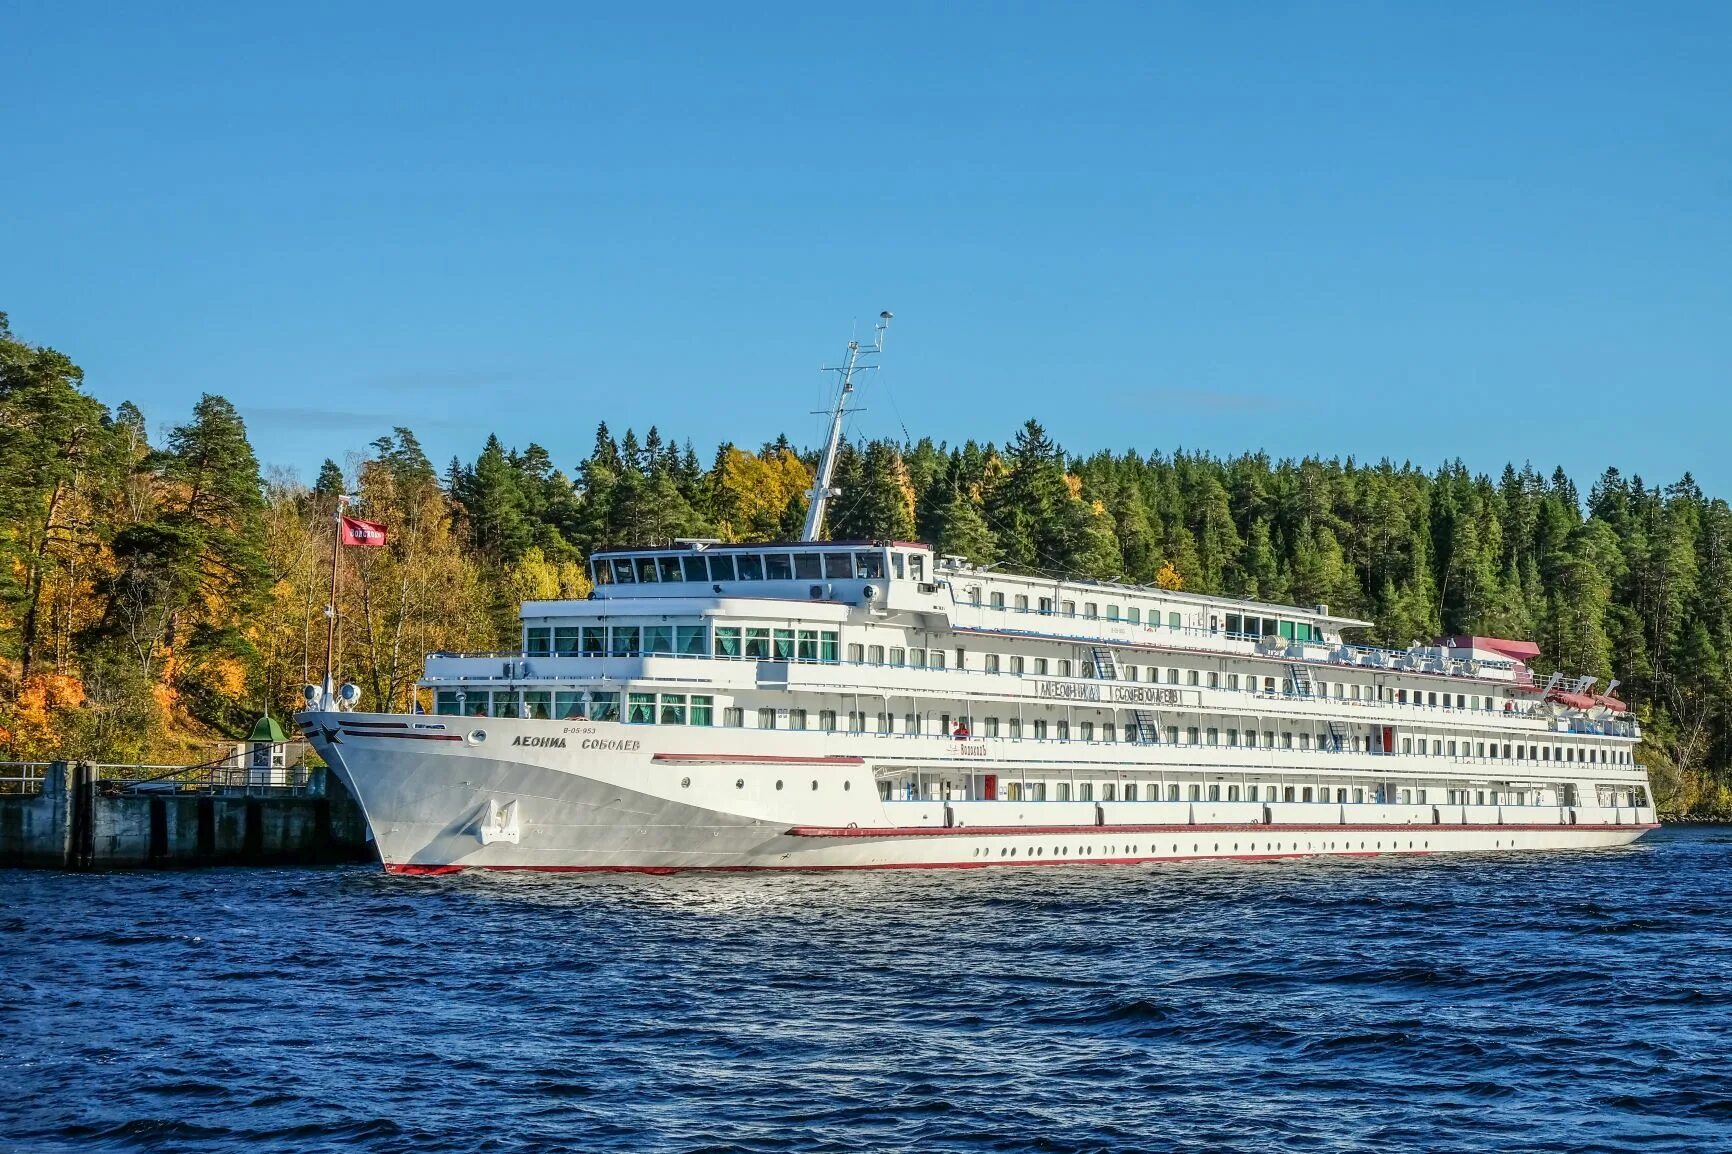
column 75, row 824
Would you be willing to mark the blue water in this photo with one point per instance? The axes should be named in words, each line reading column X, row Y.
column 1573, row 1002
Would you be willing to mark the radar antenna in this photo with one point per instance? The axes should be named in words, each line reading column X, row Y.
column 818, row 499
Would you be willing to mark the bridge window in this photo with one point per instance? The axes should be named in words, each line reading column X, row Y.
column 751, row 566
column 777, row 567
column 722, row 567
column 646, row 569
column 622, row 571
column 601, row 572
column 869, row 565
column 692, row 569
column 604, row 707
column 808, row 567
column 839, row 566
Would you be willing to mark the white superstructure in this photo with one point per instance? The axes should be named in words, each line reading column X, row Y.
column 818, row 704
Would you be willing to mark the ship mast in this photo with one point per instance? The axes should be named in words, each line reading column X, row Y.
column 819, row 496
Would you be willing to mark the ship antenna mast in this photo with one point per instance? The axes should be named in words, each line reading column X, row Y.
column 819, row 496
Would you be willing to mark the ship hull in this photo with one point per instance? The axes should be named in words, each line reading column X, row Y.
column 444, row 794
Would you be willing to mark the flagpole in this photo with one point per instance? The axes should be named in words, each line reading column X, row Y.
column 330, row 701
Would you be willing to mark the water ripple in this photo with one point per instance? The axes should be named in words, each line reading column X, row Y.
column 1575, row 1001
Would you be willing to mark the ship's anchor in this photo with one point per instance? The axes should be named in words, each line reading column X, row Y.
column 499, row 822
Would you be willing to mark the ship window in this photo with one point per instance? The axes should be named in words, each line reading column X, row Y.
column 722, row 567
column 1134, row 615
column 1045, row 605
column 1232, row 737
column 1191, row 735
column 604, row 707
column 1235, row 623
column 839, row 566
column 896, row 565
column 1015, row 728
column 1191, row 677
column 751, row 567
column 727, row 641
column 734, row 717
column 640, row 708
column 1040, row 666
column 1407, row 745
column 646, row 569
column 1061, row 730
column 622, row 571
column 1112, row 612
column 898, row 656
column 997, row 601
column 827, row 720
column 766, row 718
column 808, row 650
column 1452, row 749
column 536, row 641
column 670, row 569
column 875, row 655
column 565, row 640
column 601, row 572
column 689, row 640
column 992, row 727
column 1108, row 791
column 1214, row 737
column 625, row 640
column 917, row 658
column 1172, row 735
column 568, row 705
column 757, row 642
column 777, row 567
column 673, row 709
column 1233, row 682
column 693, row 568
column 796, row 719
column 1039, row 730
column 593, row 641
column 992, row 663
column 827, row 646
column 807, row 567
column 935, row 658
column 1174, row 621
column 1022, row 603
column 911, row 723
column 1064, row 791
column 445, row 701
column 658, row 639
column 1086, row 730
column 1085, row 791
column 856, row 721
column 1068, row 608
column 784, row 645
column 1064, row 667
column 538, row 704
column 869, row 565
column 1233, row 792
column 1091, row 610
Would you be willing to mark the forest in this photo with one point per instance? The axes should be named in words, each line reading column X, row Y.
column 157, row 595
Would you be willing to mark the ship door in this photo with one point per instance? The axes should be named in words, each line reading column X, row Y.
column 1389, row 739
column 989, row 787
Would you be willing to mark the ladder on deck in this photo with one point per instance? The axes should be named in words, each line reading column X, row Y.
column 1302, row 686
column 1337, row 736
column 1145, row 728
column 1106, row 663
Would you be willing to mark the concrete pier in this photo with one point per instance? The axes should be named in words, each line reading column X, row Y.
column 73, row 823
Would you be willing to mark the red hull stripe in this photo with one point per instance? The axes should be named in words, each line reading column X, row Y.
column 902, row 831
column 403, row 736
column 375, row 724
column 753, row 759
column 434, row 871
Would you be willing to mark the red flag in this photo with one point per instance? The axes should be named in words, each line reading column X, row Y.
column 358, row 532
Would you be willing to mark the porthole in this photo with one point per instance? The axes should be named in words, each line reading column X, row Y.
column 778, row 783
column 814, row 784
column 477, row 736
column 847, row 785
column 685, row 783
column 740, row 784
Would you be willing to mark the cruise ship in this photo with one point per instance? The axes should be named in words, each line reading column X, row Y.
column 821, row 704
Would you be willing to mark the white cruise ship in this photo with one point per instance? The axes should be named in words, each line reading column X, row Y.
column 823, row 704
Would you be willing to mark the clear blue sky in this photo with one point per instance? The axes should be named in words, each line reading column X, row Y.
column 1362, row 229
